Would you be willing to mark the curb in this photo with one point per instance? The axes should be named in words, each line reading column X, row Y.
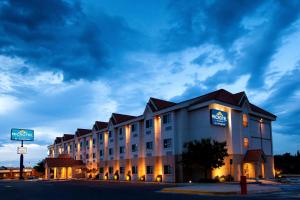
column 199, row 192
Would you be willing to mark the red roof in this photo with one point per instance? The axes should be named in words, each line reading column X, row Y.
column 67, row 137
column 119, row 118
column 80, row 132
column 254, row 155
column 100, row 125
column 58, row 140
column 159, row 104
column 229, row 98
column 63, row 162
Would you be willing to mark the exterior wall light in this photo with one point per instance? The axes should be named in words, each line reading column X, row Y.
column 159, row 178
column 142, row 178
column 116, row 177
column 128, row 178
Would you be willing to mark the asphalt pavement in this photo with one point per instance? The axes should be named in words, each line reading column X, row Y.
column 89, row 190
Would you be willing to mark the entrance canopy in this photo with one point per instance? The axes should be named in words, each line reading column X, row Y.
column 254, row 155
column 63, row 161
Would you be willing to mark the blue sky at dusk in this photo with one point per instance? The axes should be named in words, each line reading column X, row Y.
column 65, row 64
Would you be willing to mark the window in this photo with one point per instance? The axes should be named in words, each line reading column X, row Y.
column 134, row 148
column 100, row 136
column 167, row 118
column 167, row 143
column 167, row 169
column 149, row 169
column 101, row 170
column 101, row 152
column 134, row 169
column 245, row 120
column 81, row 144
column 110, row 151
column 149, row 145
column 133, row 127
column 87, row 144
column 111, row 170
column 122, row 149
column 94, row 155
column 94, row 142
column 80, row 157
column 246, row 142
column 120, row 131
column 109, row 134
column 122, row 170
column 149, row 123
column 86, row 156
column 71, row 147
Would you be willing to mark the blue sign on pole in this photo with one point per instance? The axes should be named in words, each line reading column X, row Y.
column 22, row 134
column 218, row 117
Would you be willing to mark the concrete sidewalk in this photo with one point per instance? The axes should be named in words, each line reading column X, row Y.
column 221, row 189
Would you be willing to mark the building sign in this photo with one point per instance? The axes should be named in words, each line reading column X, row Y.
column 218, row 117
column 22, row 134
column 22, row 150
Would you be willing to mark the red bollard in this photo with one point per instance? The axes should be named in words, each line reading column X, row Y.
column 243, row 185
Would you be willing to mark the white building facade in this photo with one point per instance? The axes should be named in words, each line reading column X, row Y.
column 149, row 147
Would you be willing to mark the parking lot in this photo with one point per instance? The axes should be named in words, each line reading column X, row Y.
column 66, row 190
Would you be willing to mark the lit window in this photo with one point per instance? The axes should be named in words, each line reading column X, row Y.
column 245, row 120
column 246, row 142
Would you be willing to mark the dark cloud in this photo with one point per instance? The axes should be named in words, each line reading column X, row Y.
column 221, row 23
column 197, row 22
column 60, row 36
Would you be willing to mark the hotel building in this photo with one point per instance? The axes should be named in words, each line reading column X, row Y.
column 149, row 147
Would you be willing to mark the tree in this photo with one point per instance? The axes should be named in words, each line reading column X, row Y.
column 40, row 166
column 205, row 154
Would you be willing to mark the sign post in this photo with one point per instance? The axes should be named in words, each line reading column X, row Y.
column 21, row 163
column 22, row 135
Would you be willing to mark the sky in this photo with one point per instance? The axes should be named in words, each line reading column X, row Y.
column 66, row 64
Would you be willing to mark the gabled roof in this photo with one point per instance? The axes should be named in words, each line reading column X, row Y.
column 229, row 98
column 67, row 137
column 220, row 95
column 80, row 132
column 100, row 125
column 257, row 109
column 117, row 118
column 254, row 155
column 159, row 104
column 58, row 140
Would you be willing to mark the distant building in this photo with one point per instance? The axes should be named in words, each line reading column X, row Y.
column 14, row 173
column 149, row 147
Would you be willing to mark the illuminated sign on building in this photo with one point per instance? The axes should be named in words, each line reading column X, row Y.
column 22, row 134
column 218, row 117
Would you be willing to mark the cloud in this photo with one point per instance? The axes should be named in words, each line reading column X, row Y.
column 92, row 43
